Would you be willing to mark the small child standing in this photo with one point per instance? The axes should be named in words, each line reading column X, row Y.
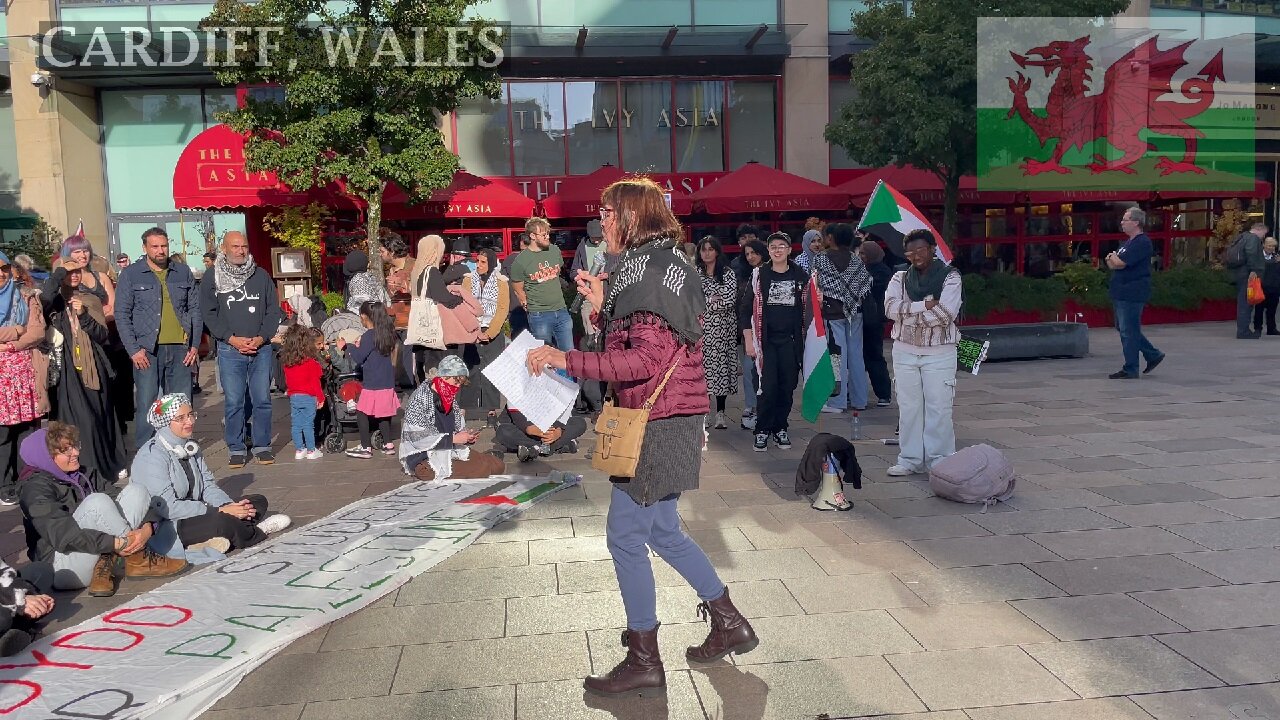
column 378, row 400
column 300, row 353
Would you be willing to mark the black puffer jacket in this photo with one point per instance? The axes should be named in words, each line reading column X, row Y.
column 47, row 516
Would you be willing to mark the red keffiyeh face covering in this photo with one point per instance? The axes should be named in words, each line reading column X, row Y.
column 446, row 391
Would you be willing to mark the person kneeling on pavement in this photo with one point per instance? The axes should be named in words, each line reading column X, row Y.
column 172, row 468
column 516, row 434
column 434, row 440
column 81, row 522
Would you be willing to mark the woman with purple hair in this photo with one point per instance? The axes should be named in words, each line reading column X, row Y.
column 95, row 280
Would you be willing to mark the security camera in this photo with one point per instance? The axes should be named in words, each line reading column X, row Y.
column 41, row 79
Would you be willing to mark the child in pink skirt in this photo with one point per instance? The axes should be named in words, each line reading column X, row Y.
column 378, row 400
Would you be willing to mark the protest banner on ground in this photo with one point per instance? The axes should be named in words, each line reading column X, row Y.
column 173, row 652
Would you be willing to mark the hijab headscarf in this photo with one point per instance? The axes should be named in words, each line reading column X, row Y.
column 355, row 263
column 485, row 288
column 805, row 260
column 430, row 251
column 13, row 307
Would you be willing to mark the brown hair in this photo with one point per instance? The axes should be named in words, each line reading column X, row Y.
column 640, row 210
column 536, row 222
column 813, row 223
column 299, row 345
column 872, row 251
column 61, row 436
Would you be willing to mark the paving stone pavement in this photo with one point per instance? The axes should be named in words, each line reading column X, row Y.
column 1135, row 574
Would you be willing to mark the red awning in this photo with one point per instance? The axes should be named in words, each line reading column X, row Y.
column 468, row 196
column 759, row 188
column 210, row 175
column 579, row 196
column 922, row 187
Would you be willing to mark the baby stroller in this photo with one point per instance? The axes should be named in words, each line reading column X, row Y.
column 341, row 383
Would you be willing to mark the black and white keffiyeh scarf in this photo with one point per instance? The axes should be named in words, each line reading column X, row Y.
column 655, row 277
column 486, row 291
column 228, row 277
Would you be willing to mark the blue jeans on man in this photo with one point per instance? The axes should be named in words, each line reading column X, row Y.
column 554, row 327
column 853, row 370
column 241, row 374
column 1132, row 341
column 165, row 372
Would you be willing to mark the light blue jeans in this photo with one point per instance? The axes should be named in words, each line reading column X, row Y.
column 116, row 517
column 749, row 379
column 553, row 327
column 630, row 530
column 302, row 418
column 853, row 369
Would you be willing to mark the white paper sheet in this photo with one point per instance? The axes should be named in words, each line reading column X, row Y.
column 543, row 399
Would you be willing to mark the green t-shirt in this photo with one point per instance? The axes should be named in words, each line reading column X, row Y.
column 171, row 332
column 540, row 273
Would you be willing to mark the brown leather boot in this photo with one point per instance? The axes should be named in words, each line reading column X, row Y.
column 103, row 583
column 146, row 564
column 730, row 631
column 640, row 672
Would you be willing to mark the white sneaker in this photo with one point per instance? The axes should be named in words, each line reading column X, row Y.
column 275, row 524
column 314, row 455
column 831, row 410
column 220, row 544
column 900, row 471
column 299, row 454
column 749, row 421
column 722, row 422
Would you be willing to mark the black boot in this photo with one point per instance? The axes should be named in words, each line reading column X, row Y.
column 640, row 672
column 730, row 631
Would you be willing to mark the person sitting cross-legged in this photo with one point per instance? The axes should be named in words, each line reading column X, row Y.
column 434, row 440
column 81, row 522
column 172, row 468
column 516, row 434
column 21, row 605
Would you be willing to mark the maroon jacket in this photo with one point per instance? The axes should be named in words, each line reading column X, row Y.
column 637, row 355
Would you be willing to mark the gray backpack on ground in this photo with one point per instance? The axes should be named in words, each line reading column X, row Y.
column 976, row 474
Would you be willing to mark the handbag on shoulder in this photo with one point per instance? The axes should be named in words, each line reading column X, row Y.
column 620, row 433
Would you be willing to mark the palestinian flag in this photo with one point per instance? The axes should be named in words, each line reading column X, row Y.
column 890, row 216
column 818, row 375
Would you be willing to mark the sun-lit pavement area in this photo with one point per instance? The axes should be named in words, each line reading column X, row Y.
column 1134, row 574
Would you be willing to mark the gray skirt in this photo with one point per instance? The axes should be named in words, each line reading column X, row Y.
column 670, row 459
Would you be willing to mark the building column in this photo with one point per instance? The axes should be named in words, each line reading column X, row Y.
column 57, row 135
column 806, row 92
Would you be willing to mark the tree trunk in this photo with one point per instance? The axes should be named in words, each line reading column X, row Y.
column 373, row 223
column 951, row 187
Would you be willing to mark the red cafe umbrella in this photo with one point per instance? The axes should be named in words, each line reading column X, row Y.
column 579, row 196
column 920, row 186
column 468, row 196
column 760, row 188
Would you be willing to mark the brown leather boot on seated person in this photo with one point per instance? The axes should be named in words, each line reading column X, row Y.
column 640, row 672
column 103, row 583
column 730, row 631
column 147, row 564
column 424, row 472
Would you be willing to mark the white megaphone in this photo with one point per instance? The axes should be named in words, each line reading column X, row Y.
column 830, row 494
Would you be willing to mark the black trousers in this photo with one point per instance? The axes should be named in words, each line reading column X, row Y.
column 512, row 438
column 778, row 380
column 215, row 523
column 1267, row 308
column 873, row 358
column 366, row 433
column 10, row 437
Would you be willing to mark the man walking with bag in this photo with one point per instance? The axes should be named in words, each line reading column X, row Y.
column 1244, row 259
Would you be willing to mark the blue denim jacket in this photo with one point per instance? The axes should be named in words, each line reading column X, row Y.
column 138, row 305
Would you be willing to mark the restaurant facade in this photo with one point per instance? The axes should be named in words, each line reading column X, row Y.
column 684, row 91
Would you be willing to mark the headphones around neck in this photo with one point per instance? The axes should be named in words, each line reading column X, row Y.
column 188, row 449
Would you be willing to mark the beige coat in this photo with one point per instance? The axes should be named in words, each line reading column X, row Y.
column 500, row 313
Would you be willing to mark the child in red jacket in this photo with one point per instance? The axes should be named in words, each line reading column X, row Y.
column 300, row 353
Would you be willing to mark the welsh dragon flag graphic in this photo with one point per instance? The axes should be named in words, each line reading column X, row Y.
column 819, row 376
column 890, row 216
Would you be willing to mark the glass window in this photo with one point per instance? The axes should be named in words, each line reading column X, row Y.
column 753, row 124
column 735, row 12
column 8, row 147
column 265, row 93
column 145, row 132
column 840, row 92
column 481, row 134
column 986, row 258
column 592, row 127
column 698, row 120
column 175, row 13
column 840, row 14
column 516, row 12
column 1043, row 259
column 537, row 118
column 130, row 236
column 646, row 143
column 217, row 101
column 614, row 13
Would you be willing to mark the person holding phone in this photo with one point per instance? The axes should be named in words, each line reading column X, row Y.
column 435, row 443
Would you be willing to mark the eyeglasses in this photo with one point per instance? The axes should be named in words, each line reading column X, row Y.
column 606, row 212
column 71, row 451
column 918, row 251
column 184, row 417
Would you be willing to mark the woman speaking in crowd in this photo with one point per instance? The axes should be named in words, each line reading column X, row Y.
column 923, row 302
column 652, row 337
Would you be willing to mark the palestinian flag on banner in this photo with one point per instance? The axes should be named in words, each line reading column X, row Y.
column 818, row 375
column 890, row 216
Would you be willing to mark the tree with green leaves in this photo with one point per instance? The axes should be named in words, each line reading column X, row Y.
column 365, row 88
column 916, row 87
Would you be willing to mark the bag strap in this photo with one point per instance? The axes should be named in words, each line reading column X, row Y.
column 653, row 397
column 191, row 478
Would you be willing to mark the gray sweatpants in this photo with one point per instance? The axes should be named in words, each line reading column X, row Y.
column 72, row 571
